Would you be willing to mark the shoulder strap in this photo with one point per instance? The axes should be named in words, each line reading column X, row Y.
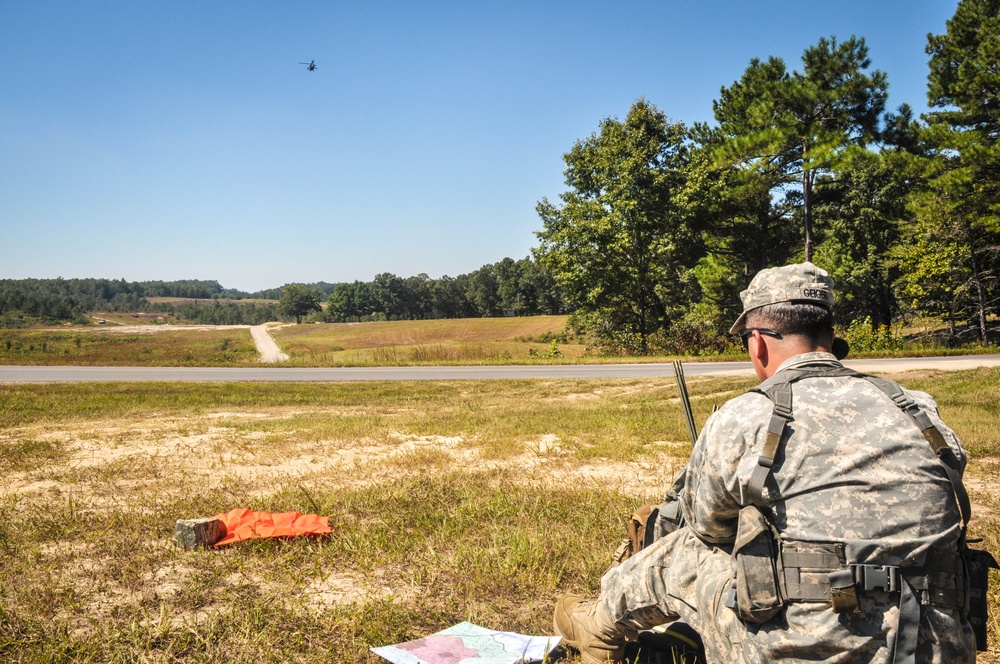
column 778, row 388
column 934, row 438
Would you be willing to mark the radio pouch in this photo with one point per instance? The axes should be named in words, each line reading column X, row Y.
column 755, row 559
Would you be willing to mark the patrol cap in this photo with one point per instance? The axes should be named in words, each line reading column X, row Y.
column 799, row 282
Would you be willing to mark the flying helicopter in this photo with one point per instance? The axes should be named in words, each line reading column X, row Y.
column 311, row 66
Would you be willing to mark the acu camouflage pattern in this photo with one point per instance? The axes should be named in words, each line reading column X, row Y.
column 853, row 469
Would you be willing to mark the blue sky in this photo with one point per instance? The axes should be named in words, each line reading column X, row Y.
column 182, row 140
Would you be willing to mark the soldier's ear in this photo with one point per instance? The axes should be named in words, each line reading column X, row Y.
column 758, row 349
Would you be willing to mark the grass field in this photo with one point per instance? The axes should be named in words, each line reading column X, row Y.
column 169, row 346
column 466, row 341
column 463, row 341
column 479, row 501
column 130, row 339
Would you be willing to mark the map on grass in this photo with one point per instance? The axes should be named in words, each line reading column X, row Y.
column 466, row 643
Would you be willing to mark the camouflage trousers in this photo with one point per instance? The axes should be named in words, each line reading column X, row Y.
column 680, row 577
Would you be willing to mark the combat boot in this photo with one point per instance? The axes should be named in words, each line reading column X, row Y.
column 586, row 626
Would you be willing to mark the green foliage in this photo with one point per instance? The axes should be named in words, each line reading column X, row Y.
column 547, row 337
column 507, row 288
column 906, row 218
column 349, row 302
column 864, row 207
column 777, row 132
column 218, row 312
column 690, row 336
column 962, row 197
column 865, row 336
column 298, row 301
column 26, row 302
column 619, row 244
column 963, row 75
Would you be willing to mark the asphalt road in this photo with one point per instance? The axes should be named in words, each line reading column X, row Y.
column 20, row 374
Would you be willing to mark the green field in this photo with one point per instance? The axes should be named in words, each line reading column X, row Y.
column 449, row 501
column 130, row 339
column 464, row 341
column 453, row 341
column 168, row 346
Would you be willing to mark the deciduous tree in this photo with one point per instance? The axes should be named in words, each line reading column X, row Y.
column 619, row 244
column 298, row 301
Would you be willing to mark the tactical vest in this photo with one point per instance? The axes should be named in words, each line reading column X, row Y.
column 809, row 572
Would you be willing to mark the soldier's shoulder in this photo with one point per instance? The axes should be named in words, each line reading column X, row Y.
column 745, row 406
column 922, row 398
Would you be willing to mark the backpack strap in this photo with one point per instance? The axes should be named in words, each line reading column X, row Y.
column 934, row 438
column 778, row 388
column 781, row 395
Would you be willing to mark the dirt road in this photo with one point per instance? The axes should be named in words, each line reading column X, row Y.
column 269, row 351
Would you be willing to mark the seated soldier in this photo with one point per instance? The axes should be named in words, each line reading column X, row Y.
column 836, row 538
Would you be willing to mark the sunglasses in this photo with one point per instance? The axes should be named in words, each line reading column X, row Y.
column 745, row 334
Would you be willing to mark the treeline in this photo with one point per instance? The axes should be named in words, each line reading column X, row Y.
column 662, row 225
column 219, row 312
column 322, row 288
column 66, row 299
column 55, row 300
column 506, row 288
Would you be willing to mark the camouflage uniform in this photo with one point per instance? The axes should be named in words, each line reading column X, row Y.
column 853, row 468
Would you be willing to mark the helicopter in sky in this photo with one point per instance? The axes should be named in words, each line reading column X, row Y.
column 311, row 66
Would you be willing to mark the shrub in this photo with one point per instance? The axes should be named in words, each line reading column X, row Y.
column 863, row 336
column 689, row 337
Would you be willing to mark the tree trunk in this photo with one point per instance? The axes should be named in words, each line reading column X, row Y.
column 764, row 223
column 807, row 211
column 977, row 282
column 976, row 279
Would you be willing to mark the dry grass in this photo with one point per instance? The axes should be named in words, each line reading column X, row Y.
column 454, row 341
column 355, row 336
column 478, row 501
column 130, row 346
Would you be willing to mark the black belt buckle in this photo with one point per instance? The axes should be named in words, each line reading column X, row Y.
column 877, row 577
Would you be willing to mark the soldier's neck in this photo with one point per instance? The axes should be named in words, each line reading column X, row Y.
column 773, row 353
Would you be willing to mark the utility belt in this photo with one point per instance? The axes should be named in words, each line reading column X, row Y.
column 769, row 573
column 818, row 573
